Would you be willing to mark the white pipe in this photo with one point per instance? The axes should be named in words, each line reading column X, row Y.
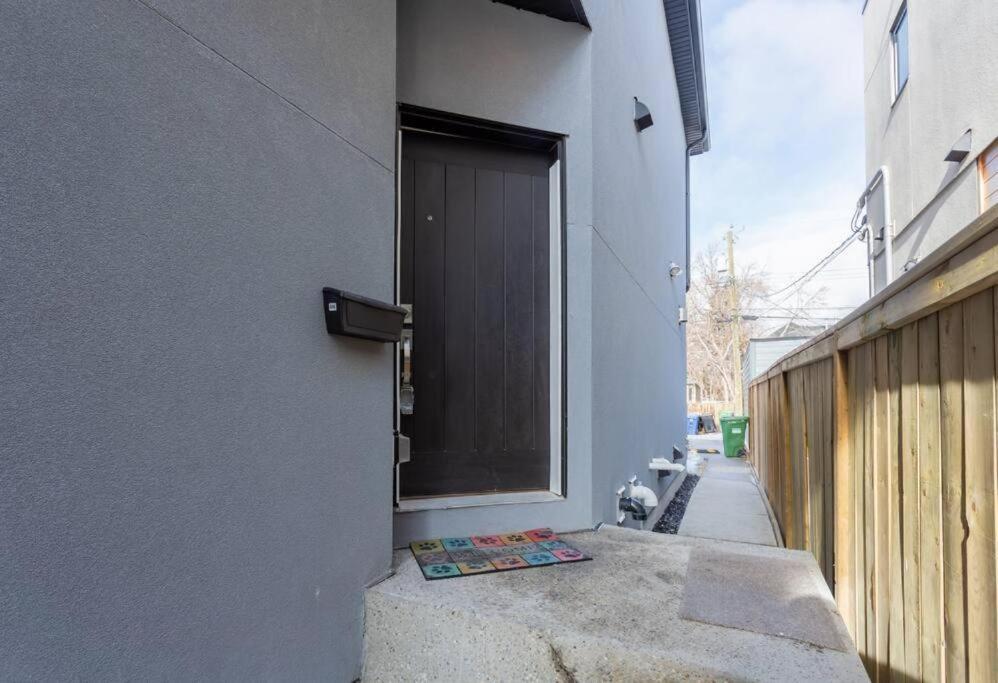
column 888, row 228
column 880, row 178
column 661, row 464
column 645, row 496
column 871, row 284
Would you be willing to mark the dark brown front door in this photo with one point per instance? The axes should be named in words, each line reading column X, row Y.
column 475, row 252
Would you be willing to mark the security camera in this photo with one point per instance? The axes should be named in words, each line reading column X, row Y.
column 674, row 270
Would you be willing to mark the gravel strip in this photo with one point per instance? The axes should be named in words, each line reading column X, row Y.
column 673, row 515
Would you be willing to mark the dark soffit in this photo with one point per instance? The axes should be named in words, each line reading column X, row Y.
column 565, row 10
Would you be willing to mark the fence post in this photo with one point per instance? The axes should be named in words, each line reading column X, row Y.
column 844, row 588
column 789, row 529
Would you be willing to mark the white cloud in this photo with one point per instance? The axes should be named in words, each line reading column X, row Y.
column 786, row 97
column 786, row 65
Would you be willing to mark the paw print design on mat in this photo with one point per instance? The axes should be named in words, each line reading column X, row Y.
column 538, row 535
column 514, row 549
column 423, row 547
column 540, row 558
column 440, row 571
column 509, row 562
column 441, row 558
column 476, row 567
column 469, row 555
column 487, row 541
column 568, row 555
column 433, row 558
column 458, row 543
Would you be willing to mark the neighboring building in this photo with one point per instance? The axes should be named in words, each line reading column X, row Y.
column 931, row 124
column 199, row 480
column 763, row 352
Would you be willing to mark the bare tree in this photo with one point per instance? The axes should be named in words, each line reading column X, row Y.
column 709, row 337
column 709, row 330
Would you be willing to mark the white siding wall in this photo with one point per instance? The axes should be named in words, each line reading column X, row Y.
column 953, row 87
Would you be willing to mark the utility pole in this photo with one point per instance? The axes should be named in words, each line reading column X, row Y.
column 736, row 321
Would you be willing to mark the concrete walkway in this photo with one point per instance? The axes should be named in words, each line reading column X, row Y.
column 727, row 504
column 648, row 607
column 719, row 601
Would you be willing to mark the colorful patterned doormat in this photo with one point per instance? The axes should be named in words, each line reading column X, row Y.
column 443, row 558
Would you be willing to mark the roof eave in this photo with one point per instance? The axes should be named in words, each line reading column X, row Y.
column 686, row 43
column 563, row 10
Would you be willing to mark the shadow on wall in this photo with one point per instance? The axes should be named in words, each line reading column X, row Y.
column 923, row 222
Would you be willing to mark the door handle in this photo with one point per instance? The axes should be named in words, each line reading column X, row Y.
column 407, row 395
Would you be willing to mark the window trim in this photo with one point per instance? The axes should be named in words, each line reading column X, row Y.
column 898, row 87
column 982, row 177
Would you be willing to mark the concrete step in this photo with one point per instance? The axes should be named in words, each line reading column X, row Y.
column 649, row 607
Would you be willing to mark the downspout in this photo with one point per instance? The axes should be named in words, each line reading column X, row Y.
column 695, row 38
column 871, row 283
column 689, row 153
column 860, row 226
column 689, row 150
column 888, row 227
column 879, row 178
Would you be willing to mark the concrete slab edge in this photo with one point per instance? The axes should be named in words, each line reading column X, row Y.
column 777, row 532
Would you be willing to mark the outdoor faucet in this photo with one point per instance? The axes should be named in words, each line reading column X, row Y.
column 637, row 510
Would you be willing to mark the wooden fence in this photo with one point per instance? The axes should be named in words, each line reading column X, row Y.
column 876, row 444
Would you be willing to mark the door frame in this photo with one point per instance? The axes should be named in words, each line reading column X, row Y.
column 412, row 118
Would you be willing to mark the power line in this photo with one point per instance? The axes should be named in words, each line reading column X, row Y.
column 699, row 319
column 825, row 276
column 763, row 309
column 803, row 319
column 816, row 268
column 774, row 273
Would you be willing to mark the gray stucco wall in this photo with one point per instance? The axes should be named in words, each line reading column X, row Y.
column 953, row 87
column 478, row 58
column 195, row 477
column 626, row 222
column 639, row 348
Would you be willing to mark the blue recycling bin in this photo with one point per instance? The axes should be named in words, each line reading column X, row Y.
column 692, row 424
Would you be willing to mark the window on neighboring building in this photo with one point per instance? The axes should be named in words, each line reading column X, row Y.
column 989, row 177
column 899, row 39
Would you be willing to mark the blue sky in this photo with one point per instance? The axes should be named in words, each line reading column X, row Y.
column 785, row 90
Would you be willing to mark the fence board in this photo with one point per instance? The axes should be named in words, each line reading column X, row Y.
column 895, row 590
column 979, row 483
column 859, row 358
column 909, row 499
column 845, row 565
column 930, row 499
column 829, row 408
column 880, row 528
column 869, row 512
column 953, row 532
column 878, row 448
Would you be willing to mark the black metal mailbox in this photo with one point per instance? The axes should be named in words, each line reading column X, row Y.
column 353, row 315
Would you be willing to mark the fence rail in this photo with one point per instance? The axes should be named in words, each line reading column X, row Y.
column 876, row 444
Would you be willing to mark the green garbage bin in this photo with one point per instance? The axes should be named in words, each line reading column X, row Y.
column 733, row 431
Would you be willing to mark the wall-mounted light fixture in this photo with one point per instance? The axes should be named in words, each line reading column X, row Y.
column 674, row 270
column 961, row 148
column 642, row 116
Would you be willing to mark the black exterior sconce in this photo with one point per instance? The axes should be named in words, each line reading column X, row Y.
column 961, row 148
column 642, row 115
